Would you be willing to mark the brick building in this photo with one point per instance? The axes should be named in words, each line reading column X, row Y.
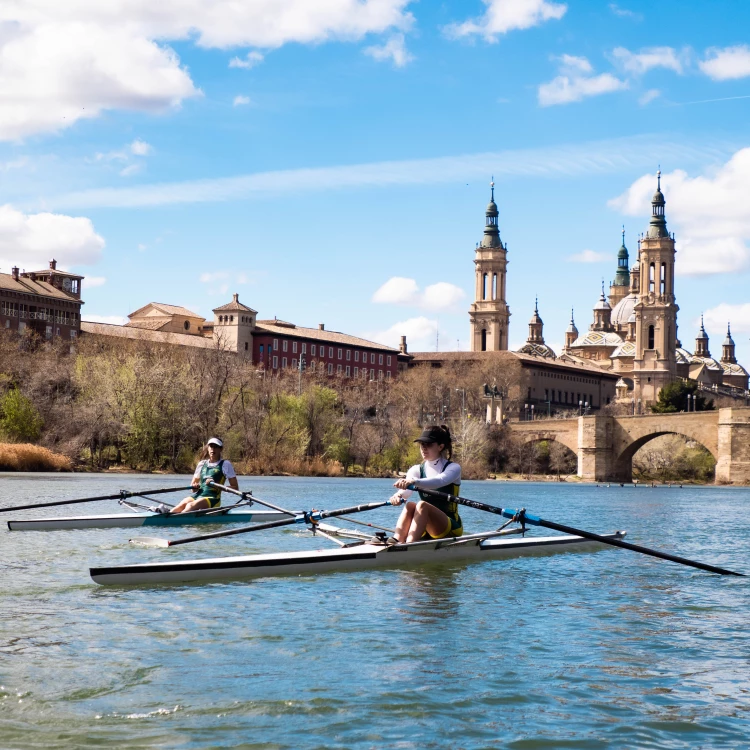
column 47, row 302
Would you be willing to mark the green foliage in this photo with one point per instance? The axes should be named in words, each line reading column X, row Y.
column 20, row 418
column 674, row 397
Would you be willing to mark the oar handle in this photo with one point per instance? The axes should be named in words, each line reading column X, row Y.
column 308, row 517
column 536, row 521
column 122, row 495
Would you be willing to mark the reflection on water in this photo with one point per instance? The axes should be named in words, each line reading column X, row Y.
column 604, row 650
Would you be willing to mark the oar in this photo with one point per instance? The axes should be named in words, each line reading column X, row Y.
column 522, row 515
column 121, row 495
column 307, row 517
column 250, row 496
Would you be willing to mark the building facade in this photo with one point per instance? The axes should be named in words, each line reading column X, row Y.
column 47, row 302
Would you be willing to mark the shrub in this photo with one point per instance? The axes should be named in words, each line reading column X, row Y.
column 20, row 418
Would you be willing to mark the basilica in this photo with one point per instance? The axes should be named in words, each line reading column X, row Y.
column 633, row 333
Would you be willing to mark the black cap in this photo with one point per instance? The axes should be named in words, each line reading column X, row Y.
column 433, row 435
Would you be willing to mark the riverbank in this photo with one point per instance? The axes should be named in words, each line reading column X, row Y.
column 28, row 457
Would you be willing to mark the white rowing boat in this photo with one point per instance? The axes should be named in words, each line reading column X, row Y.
column 142, row 519
column 363, row 555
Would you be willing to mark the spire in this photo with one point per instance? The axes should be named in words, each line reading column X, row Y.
column 572, row 325
column 728, row 341
column 622, row 277
column 701, row 342
column 491, row 236
column 727, row 349
column 657, row 227
column 535, row 326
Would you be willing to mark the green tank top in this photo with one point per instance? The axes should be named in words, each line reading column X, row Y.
column 211, row 474
column 449, row 507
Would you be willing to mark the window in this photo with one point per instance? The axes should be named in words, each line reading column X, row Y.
column 186, row 325
column 651, row 278
column 340, row 353
column 284, row 345
column 388, row 360
column 330, row 368
column 313, row 349
column 372, row 374
column 294, row 363
column 356, row 369
column 663, row 279
column 388, row 375
column 356, row 356
column 338, row 369
column 348, row 371
column 348, row 354
column 246, row 346
column 372, row 358
column 380, row 359
column 650, row 337
column 484, row 339
column 312, row 366
column 275, row 346
column 48, row 332
column 275, row 363
column 283, row 362
column 231, row 318
column 294, row 347
column 73, row 334
column 380, row 374
column 304, row 348
column 261, row 350
column 330, row 352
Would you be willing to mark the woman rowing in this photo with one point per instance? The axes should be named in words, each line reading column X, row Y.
column 212, row 468
column 431, row 517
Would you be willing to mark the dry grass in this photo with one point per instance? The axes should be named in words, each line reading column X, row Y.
column 27, row 457
column 314, row 467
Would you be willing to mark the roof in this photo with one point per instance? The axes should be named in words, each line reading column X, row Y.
column 235, row 304
column 682, row 356
column 537, row 350
column 330, row 337
column 626, row 349
column 623, row 310
column 41, row 288
column 149, row 324
column 733, row 368
column 597, row 338
column 56, row 272
column 168, row 310
column 709, row 362
column 141, row 334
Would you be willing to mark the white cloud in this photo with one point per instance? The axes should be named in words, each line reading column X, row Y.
column 566, row 89
column 648, row 97
column 402, row 291
column 130, row 170
column 728, row 63
column 95, row 281
column 220, row 282
column 394, row 50
column 250, row 61
column 442, row 296
column 421, row 334
column 638, row 63
column 708, row 214
column 716, row 318
column 115, row 320
column 588, row 256
column 61, row 62
column 624, row 12
column 503, row 16
column 397, row 291
column 240, row 100
column 549, row 162
column 140, row 148
column 30, row 240
column 141, row 247
column 573, row 65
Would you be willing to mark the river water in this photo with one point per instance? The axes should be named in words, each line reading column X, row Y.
column 599, row 650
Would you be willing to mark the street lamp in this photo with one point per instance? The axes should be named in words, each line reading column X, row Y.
column 532, row 412
column 580, row 408
column 463, row 401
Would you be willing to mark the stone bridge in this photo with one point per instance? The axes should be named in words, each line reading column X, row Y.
column 605, row 445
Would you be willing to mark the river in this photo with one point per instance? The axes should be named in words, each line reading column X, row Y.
column 599, row 650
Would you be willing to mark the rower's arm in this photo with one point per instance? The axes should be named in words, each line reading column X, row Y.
column 233, row 483
column 451, row 474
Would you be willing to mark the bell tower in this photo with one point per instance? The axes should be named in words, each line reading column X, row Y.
column 489, row 313
column 655, row 310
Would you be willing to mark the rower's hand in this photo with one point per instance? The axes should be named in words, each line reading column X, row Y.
column 396, row 499
column 402, row 484
column 195, row 484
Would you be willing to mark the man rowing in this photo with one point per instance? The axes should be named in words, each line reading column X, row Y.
column 431, row 517
column 212, row 468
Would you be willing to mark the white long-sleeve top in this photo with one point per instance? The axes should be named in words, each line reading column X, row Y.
column 437, row 473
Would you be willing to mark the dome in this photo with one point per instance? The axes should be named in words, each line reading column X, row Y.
column 491, row 208
column 709, row 362
column 625, row 350
column 623, row 310
column 682, row 356
column 602, row 304
column 732, row 368
column 597, row 338
column 537, row 350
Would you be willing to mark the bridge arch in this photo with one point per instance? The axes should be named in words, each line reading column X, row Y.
column 569, row 441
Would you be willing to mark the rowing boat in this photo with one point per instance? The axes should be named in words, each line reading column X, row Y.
column 362, row 555
column 141, row 519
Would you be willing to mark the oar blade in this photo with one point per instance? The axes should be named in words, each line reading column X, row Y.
column 149, row 541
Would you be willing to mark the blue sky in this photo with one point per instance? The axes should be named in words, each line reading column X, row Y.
column 330, row 160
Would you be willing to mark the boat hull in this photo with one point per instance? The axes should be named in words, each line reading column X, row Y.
column 359, row 557
column 138, row 520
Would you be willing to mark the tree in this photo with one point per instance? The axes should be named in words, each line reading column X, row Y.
column 20, row 418
column 674, row 397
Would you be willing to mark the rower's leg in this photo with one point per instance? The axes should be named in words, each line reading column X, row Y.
column 427, row 518
column 191, row 503
column 404, row 521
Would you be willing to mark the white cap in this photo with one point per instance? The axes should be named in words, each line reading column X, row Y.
column 215, row 441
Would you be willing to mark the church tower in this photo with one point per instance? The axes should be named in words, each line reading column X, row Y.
column 571, row 333
column 727, row 349
column 654, row 365
column 619, row 288
column 701, row 342
column 489, row 313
